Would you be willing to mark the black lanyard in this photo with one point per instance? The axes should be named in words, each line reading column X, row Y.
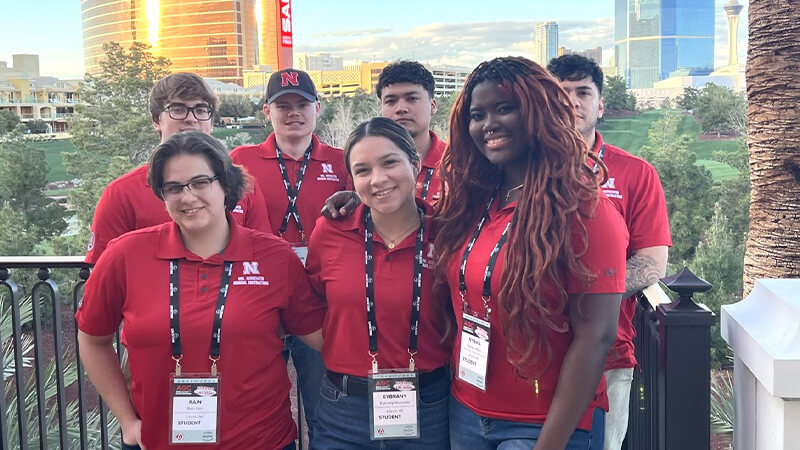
column 487, row 274
column 601, row 154
column 427, row 183
column 416, row 283
column 293, row 193
column 174, row 318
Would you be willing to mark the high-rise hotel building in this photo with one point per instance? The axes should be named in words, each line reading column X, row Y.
column 655, row 39
column 212, row 38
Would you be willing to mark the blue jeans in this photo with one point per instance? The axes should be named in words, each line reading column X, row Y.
column 598, row 429
column 310, row 371
column 343, row 420
column 471, row 431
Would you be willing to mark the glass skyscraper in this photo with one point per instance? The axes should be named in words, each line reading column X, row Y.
column 655, row 39
column 214, row 38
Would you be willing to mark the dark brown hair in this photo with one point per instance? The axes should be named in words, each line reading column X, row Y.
column 185, row 85
column 233, row 178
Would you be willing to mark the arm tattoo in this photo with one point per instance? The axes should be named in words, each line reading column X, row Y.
column 640, row 271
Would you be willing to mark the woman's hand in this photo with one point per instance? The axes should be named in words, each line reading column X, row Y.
column 132, row 433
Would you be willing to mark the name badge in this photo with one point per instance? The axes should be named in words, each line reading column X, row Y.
column 473, row 357
column 301, row 252
column 194, row 410
column 393, row 398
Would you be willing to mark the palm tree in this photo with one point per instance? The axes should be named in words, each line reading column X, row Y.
column 773, row 90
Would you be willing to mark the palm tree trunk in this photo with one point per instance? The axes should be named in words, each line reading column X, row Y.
column 773, row 90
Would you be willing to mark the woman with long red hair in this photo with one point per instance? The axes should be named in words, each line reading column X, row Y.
column 534, row 257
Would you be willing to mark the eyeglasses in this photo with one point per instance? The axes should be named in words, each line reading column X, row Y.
column 198, row 186
column 181, row 112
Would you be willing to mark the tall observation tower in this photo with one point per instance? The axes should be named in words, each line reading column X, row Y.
column 732, row 9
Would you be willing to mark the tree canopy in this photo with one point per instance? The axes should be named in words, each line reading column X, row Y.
column 616, row 96
column 112, row 129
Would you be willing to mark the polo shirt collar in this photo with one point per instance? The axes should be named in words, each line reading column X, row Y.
column 170, row 245
column 267, row 148
column 435, row 152
column 598, row 141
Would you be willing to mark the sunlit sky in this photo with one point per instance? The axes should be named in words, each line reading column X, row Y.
column 439, row 32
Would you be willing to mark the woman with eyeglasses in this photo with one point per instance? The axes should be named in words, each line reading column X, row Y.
column 202, row 300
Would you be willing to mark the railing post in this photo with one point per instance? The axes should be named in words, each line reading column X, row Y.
column 685, row 366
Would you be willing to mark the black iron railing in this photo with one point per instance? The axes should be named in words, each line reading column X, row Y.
column 670, row 394
column 45, row 399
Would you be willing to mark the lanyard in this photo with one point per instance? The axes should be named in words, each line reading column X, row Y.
column 293, row 193
column 487, row 274
column 600, row 154
column 427, row 183
column 416, row 283
column 174, row 318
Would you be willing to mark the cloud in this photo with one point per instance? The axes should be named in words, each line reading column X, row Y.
column 464, row 44
column 351, row 33
column 469, row 43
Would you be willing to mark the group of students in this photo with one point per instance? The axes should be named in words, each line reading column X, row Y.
column 462, row 295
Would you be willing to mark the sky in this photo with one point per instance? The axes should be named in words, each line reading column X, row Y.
column 463, row 32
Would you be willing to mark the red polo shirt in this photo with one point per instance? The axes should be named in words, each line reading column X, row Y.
column 507, row 396
column 268, row 289
column 635, row 190
column 336, row 269
column 431, row 163
column 128, row 204
column 325, row 175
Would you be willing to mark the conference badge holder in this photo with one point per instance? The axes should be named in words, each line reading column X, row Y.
column 194, row 410
column 301, row 250
column 473, row 357
column 393, row 398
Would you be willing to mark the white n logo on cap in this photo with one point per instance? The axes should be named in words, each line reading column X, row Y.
column 288, row 78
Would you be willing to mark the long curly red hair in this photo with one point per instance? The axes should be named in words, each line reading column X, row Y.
column 561, row 188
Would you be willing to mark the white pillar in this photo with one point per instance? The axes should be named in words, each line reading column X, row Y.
column 764, row 332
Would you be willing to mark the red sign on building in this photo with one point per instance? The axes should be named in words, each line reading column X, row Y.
column 286, row 23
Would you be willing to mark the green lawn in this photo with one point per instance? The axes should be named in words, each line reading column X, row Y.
column 627, row 133
column 631, row 135
column 52, row 154
column 53, row 149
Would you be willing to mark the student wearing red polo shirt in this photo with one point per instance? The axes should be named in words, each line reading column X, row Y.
column 178, row 102
column 634, row 188
column 203, row 300
column 534, row 256
column 297, row 173
column 387, row 241
column 405, row 90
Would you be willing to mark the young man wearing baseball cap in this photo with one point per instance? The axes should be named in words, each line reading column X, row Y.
column 178, row 102
column 297, row 172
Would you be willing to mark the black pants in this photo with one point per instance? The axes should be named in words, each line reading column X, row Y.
column 136, row 447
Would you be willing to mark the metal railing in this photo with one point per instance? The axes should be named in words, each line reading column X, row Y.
column 46, row 401
column 671, row 390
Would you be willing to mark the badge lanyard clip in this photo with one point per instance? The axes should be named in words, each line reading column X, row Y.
column 177, row 360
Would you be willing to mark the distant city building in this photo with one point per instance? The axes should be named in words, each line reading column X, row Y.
column 448, row 79
column 595, row 54
column 659, row 38
column 732, row 69
column 362, row 77
column 545, row 42
column 35, row 97
column 318, row 61
column 673, row 87
column 217, row 39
